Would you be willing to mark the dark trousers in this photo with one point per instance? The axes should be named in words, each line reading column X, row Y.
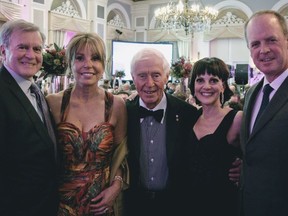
column 148, row 203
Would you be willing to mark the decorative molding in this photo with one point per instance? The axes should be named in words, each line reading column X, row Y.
column 67, row 9
column 229, row 19
column 116, row 21
column 119, row 9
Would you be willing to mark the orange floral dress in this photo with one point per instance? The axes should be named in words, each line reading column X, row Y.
column 86, row 160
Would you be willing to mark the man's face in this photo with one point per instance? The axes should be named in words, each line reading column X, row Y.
column 268, row 45
column 24, row 53
column 150, row 79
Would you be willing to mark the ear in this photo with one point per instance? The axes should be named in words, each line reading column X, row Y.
column 2, row 52
column 166, row 78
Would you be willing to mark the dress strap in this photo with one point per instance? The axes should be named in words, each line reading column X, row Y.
column 65, row 102
column 108, row 105
column 226, row 122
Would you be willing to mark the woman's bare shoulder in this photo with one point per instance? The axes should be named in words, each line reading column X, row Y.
column 54, row 98
column 238, row 117
column 55, row 101
column 119, row 102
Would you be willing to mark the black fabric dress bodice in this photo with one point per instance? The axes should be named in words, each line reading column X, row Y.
column 209, row 161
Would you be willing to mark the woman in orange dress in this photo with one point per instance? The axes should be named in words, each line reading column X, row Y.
column 91, row 125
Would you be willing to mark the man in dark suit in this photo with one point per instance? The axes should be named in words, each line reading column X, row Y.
column 264, row 180
column 28, row 183
column 153, row 143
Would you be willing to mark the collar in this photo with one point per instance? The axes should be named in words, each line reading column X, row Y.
column 278, row 81
column 162, row 105
column 23, row 83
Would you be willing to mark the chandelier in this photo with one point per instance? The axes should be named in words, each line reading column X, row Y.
column 190, row 17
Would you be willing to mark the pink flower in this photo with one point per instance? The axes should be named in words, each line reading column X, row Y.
column 181, row 68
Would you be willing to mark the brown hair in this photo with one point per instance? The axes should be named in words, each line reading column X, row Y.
column 281, row 19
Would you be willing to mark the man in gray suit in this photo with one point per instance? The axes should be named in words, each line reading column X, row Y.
column 264, row 179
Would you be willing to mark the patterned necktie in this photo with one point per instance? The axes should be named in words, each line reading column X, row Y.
column 42, row 105
column 158, row 114
column 265, row 100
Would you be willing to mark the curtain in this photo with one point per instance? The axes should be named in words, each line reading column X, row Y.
column 181, row 41
column 224, row 32
column 59, row 24
column 9, row 10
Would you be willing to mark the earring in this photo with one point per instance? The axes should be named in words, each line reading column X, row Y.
column 222, row 99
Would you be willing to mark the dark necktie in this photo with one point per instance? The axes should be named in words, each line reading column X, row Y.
column 42, row 105
column 265, row 100
column 158, row 114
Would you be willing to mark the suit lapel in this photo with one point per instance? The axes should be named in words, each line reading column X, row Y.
column 134, row 125
column 247, row 113
column 15, row 90
column 248, row 107
column 278, row 100
column 172, row 126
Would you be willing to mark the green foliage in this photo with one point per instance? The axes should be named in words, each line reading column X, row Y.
column 120, row 73
column 54, row 62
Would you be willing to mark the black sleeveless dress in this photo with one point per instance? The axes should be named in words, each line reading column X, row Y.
column 208, row 162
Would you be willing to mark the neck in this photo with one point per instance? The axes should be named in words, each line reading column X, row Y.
column 85, row 93
column 211, row 111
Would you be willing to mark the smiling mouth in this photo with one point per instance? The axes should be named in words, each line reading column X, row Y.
column 266, row 60
column 28, row 63
column 149, row 92
column 206, row 93
column 87, row 73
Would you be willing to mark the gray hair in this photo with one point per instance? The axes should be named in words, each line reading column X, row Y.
column 17, row 25
column 146, row 52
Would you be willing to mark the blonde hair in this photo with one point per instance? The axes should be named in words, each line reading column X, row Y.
column 91, row 40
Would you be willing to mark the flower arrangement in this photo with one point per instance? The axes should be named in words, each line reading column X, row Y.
column 181, row 68
column 120, row 73
column 54, row 62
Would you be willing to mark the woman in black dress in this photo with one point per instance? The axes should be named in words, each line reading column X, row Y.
column 213, row 142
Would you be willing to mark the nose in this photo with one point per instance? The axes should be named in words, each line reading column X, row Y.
column 264, row 49
column 206, row 85
column 30, row 53
column 87, row 63
column 150, row 81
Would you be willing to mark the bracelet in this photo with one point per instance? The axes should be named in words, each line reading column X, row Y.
column 118, row 178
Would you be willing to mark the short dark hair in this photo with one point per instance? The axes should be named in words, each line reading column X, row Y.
column 212, row 66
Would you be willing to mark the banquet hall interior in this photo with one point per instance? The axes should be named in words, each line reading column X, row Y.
column 126, row 25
